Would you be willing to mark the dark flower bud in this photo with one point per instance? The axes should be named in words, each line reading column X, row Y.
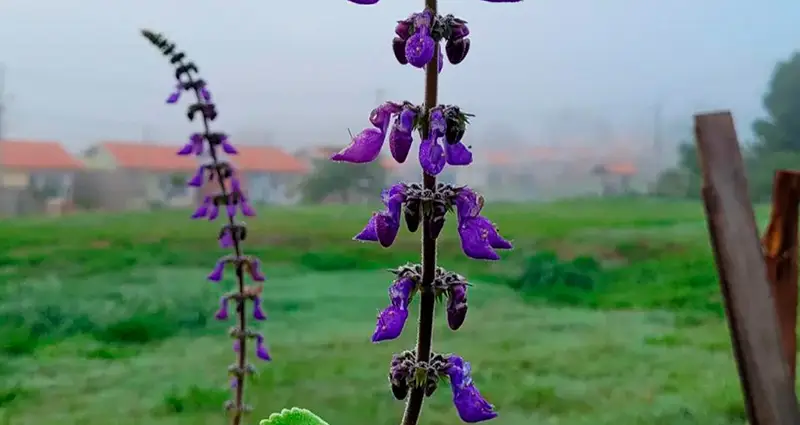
column 208, row 110
column 400, row 373
column 399, row 49
column 457, row 50
column 438, row 214
column 412, row 213
column 185, row 69
column 177, row 57
column 456, row 306
column 403, row 29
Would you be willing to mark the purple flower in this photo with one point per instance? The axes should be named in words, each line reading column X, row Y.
column 456, row 306
column 217, row 272
column 222, row 313
column 457, row 50
column 364, row 2
column 468, row 204
column 202, row 209
column 401, row 291
column 431, row 156
column 258, row 313
column 254, row 269
column 261, row 349
column 366, row 145
column 193, row 146
column 198, row 178
column 480, row 239
column 226, row 239
column 245, row 207
column 175, row 96
column 400, row 137
column 469, row 403
column 420, row 47
column 390, row 323
column 226, row 146
column 403, row 28
column 384, row 225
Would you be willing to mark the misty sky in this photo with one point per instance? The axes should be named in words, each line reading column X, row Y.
column 300, row 72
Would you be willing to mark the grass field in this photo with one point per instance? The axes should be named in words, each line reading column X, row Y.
column 108, row 318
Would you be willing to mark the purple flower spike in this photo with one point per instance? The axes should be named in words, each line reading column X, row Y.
column 222, row 313
column 258, row 312
column 390, row 324
column 193, row 146
column 198, row 177
column 368, row 234
column 202, row 209
column 431, row 157
column 364, row 2
column 401, row 291
column 457, row 306
column 261, row 349
column 216, row 273
column 175, row 96
column 365, row 147
column 420, row 48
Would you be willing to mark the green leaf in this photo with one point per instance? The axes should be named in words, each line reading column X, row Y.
column 293, row 416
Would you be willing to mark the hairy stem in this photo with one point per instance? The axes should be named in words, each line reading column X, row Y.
column 238, row 407
column 427, row 296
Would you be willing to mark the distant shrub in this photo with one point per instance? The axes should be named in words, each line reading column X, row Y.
column 194, row 399
column 544, row 269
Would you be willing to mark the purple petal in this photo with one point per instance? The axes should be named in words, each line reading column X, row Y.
column 457, row 50
column 393, row 199
column 236, row 185
column 202, row 209
column 222, row 313
column 381, row 116
column 468, row 203
column 458, row 31
column 403, row 29
column 457, row 154
column 400, row 143
column 492, row 235
column 472, row 407
column 438, row 124
column 174, row 97
column 187, row 149
column 440, row 62
column 420, row 48
column 457, row 307
column 475, row 240
column 386, row 227
column 261, row 349
column 365, row 147
column 390, row 324
column 205, row 94
column 258, row 313
column 247, row 210
column 399, row 50
column 216, row 273
column 487, row 1
column 228, row 148
column 400, row 292
column 231, row 210
column 431, row 157
column 226, row 240
column 213, row 212
column 368, row 234
column 458, row 371
column 364, row 2
column 406, row 119
column 198, row 178
column 237, row 345
column 255, row 271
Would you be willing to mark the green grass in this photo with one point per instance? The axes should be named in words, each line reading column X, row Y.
column 538, row 365
column 606, row 312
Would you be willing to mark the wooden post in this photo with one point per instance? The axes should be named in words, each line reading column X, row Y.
column 780, row 254
column 768, row 393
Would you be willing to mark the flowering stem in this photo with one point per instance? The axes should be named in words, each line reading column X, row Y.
column 427, row 296
column 240, row 306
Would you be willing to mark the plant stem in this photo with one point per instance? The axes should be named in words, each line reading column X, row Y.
column 427, row 297
column 240, row 307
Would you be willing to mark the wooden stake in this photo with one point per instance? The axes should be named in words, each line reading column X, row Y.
column 768, row 393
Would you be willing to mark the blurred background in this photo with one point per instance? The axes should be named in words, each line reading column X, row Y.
column 607, row 311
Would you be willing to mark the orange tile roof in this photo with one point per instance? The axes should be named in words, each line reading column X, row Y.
column 267, row 159
column 162, row 157
column 36, row 155
column 622, row 169
column 149, row 157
